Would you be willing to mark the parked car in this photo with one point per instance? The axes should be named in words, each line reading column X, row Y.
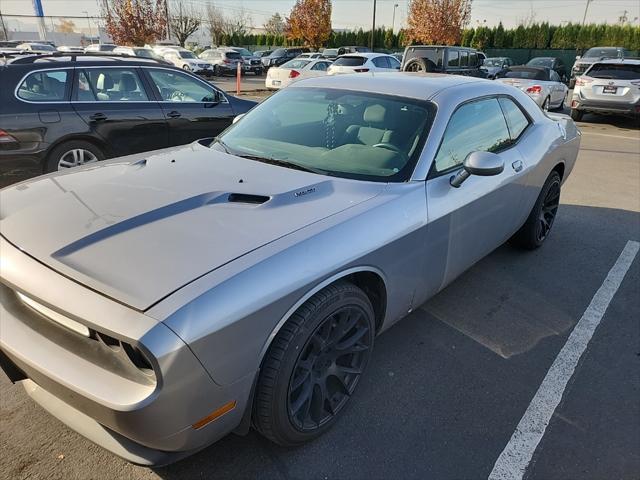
column 100, row 47
column 542, row 84
column 295, row 70
column 155, row 315
column 330, row 53
column 143, row 52
column 593, row 55
column 262, row 53
column 554, row 63
column 494, row 65
column 36, row 47
column 364, row 62
column 610, row 87
column 68, row 48
column 187, row 60
column 223, row 60
column 310, row 55
column 442, row 59
column 282, row 55
column 252, row 63
column 353, row 49
column 115, row 106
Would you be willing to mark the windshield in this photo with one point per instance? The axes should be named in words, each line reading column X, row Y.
column 41, row 46
column 144, row 52
column 336, row 132
column 233, row 55
column 280, row 52
column 541, row 62
column 296, row 63
column 526, row 73
column 244, row 52
column 603, row 53
column 494, row 62
column 349, row 61
column 330, row 51
column 615, row 71
column 186, row 54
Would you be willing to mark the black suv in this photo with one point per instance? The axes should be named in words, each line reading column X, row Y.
column 281, row 56
column 63, row 110
column 443, row 59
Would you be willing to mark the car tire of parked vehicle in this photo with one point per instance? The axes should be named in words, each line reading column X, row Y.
column 572, row 83
column 87, row 152
column 576, row 115
column 560, row 107
column 539, row 222
column 186, row 67
column 420, row 65
column 546, row 105
column 314, row 365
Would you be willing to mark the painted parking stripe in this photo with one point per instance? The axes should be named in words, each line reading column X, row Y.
column 515, row 457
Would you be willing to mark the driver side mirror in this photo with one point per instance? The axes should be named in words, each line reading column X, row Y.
column 483, row 164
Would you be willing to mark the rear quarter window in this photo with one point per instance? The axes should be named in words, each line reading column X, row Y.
column 50, row 86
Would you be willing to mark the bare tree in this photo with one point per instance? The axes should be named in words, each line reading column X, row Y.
column 275, row 25
column 529, row 19
column 183, row 22
column 217, row 23
column 239, row 24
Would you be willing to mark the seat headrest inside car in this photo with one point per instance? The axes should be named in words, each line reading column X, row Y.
column 374, row 114
column 104, row 82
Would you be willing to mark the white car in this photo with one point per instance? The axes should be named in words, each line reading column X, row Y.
column 364, row 62
column 66, row 48
column 541, row 83
column 36, row 47
column 142, row 52
column 100, row 47
column 294, row 70
column 186, row 60
column 610, row 87
column 311, row 55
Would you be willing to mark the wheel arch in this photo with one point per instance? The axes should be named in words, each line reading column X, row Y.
column 72, row 138
column 560, row 168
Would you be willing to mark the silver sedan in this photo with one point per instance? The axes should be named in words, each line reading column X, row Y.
column 157, row 302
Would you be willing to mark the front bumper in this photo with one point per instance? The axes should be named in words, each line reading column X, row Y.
column 80, row 381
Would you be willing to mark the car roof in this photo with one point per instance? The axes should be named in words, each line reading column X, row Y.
column 619, row 61
column 365, row 54
column 406, row 84
column 71, row 59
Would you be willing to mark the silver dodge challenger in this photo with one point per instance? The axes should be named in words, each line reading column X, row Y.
column 155, row 303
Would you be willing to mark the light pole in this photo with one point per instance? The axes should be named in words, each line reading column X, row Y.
column 373, row 27
column 393, row 21
column 89, row 23
column 586, row 7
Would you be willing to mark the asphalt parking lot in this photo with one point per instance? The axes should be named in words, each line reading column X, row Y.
column 449, row 385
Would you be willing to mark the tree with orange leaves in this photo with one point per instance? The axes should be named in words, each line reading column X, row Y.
column 135, row 22
column 438, row 22
column 310, row 20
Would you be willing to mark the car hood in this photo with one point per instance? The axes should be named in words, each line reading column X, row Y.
column 138, row 228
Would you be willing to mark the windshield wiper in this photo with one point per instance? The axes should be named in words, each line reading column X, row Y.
column 225, row 147
column 282, row 163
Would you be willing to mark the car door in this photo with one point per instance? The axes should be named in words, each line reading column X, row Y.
column 468, row 222
column 117, row 107
column 193, row 108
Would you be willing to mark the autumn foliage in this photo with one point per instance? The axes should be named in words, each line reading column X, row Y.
column 135, row 22
column 310, row 21
column 438, row 22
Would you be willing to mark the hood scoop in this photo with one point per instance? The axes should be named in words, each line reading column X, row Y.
column 247, row 198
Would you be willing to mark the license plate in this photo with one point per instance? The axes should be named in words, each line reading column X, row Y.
column 609, row 89
column 275, row 83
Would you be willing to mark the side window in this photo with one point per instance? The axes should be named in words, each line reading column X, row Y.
column 322, row 66
column 516, row 120
column 116, row 85
column 554, row 76
column 85, row 92
column 47, row 86
column 475, row 126
column 473, row 59
column 394, row 63
column 464, row 59
column 453, row 59
column 178, row 87
column 381, row 62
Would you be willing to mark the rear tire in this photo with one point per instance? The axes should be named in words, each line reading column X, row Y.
column 61, row 156
column 538, row 225
column 314, row 365
column 546, row 105
column 576, row 114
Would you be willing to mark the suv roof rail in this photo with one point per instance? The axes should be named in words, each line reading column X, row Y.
column 73, row 56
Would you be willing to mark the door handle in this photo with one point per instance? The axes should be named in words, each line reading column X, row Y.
column 174, row 114
column 98, row 117
column 517, row 165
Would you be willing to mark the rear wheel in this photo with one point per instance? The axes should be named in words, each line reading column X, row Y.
column 576, row 114
column 546, row 104
column 314, row 365
column 73, row 154
column 538, row 225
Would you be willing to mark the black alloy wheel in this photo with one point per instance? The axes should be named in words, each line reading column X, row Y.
column 548, row 211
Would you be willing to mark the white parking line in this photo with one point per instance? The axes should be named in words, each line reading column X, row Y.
column 515, row 457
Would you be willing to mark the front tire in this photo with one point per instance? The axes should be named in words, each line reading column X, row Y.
column 314, row 365
column 538, row 225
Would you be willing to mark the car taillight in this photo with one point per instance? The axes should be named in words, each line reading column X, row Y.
column 294, row 74
column 6, row 138
column 361, row 70
column 534, row 89
column 582, row 81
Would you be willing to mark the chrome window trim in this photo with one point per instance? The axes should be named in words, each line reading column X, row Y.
column 61, row 102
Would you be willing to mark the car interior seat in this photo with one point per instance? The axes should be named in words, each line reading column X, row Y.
column 372, row 130
column 104, row 85
column 128, row 87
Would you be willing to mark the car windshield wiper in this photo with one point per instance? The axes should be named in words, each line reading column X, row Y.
column 226, row 148
column 282, row 163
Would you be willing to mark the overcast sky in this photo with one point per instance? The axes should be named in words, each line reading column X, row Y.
column 357, row 13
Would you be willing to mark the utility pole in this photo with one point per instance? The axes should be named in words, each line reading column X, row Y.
column 89, row 23
column 4, row 27
column 393, row 21
column 586, row 7
column 37, row 7
column 373, row 27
